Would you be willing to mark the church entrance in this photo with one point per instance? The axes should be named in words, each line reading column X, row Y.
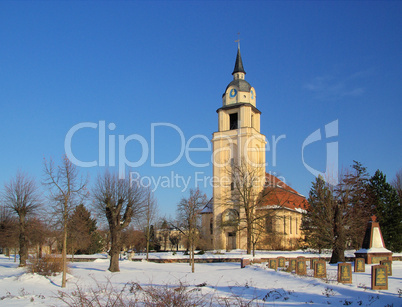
column 231, row 241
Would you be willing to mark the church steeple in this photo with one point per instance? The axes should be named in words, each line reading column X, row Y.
column 239, row 63
column 239, row 90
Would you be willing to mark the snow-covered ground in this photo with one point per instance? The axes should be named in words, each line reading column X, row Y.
column 211, row 281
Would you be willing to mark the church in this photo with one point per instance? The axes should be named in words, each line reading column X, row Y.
column 249, row 206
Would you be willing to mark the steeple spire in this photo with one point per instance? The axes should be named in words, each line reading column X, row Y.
column 239, row 63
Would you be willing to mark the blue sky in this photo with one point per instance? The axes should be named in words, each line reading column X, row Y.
column 135, row 64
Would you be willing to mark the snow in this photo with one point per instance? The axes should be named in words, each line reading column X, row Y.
column 373, row 250
column 215, row 281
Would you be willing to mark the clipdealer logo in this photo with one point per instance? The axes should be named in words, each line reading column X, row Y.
column 109, row 142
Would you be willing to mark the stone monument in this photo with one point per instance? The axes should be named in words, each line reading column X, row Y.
column 373, row 248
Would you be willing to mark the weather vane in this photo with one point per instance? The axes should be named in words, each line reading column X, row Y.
column 238, row 40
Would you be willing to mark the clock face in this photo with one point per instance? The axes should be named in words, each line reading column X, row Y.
column 233, row 93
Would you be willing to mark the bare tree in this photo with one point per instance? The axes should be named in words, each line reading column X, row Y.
column 164, row 232
column 188, row 213
column 397, row 183
column 38, row 233
column 133, row 239
column 67, row 190
column 21, row 195
column 8, row 231
column 246, row 199
column 119, row 201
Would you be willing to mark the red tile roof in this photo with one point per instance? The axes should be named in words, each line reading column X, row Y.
column 279, row 194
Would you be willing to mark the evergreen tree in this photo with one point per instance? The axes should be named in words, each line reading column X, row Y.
column 154, row 243
column 354, row 189
column 388, row 210
column 83, row 237
column 338, row 215
column 317, row 221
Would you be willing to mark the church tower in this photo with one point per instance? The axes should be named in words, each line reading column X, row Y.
column 238, row 140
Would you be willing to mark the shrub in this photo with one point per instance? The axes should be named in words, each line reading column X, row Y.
column 132, row 294
column 46, row 266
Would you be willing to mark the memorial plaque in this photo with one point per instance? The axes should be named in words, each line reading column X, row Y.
column 273, row 264
column 301, row 267
column 292, row 264
column 360, row 265
column 312, row 261
column 378, row 259
column 320, row 269
column 281, row 262
column 379, row 277
column 345, row 273
column 388, row 264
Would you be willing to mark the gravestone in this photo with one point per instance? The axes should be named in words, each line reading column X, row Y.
column 345, row 273
column 360, row 265
column 292, row 264
column 273, row 264
column 373, row 248
column 281, row 262
column 301, row 267
column 320, row 269
column 312, row 261
column 388, row 264
column 379, row 277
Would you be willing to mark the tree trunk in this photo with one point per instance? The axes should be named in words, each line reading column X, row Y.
column 64, row 254
column 338, row 249
column 23, row 242
column 249, row 243
column 114, row 250
column 338, row 254
column 148, row 234
column 192, row 257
